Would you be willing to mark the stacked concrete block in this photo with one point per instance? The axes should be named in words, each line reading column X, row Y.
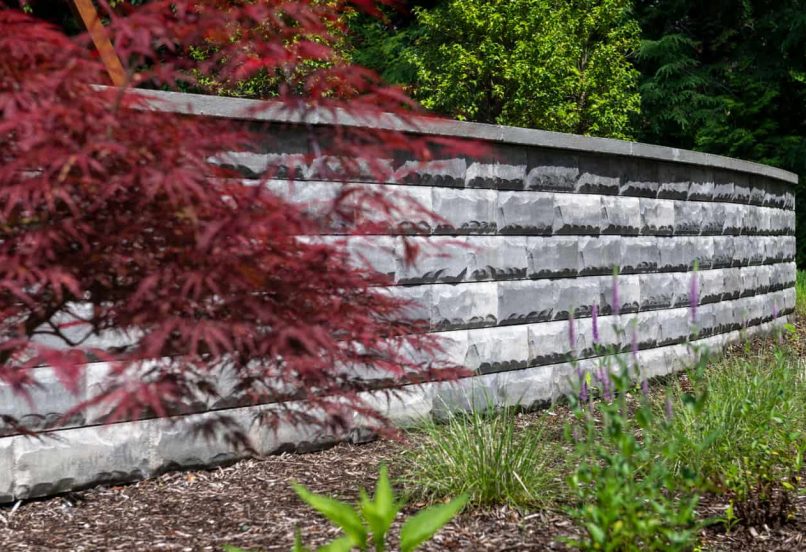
column 521, row 247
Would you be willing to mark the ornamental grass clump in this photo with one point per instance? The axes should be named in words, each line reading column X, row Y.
column 486, row 455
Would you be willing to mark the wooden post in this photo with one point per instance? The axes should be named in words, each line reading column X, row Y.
column 89, row 15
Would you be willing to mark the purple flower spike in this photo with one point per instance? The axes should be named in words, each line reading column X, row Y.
column 595, row 322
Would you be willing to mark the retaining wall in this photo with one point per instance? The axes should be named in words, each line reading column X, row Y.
column 545, row 218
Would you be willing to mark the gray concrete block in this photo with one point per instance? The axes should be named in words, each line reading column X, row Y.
column 702, row 185
column 553, row 256
column 723, row 252
column 775, row 194
column 673, row 254
column 657, row 290
column 657, row 216
column 552, row 173
column 749, row 279
column 712, row 284
column 621, row 215
column 688, row 218
column 442, row 259
column 575, row 295
column 598, row 175
column 751, row 221
column 470, row 305
column 757, row 250
column 526, row 388
column 375, row 253
column 548, row 343
column 789, row 198
column 649, row 328
column 525, row 213
column 440, row 172
column 741, row 188
column 495, row 175
column 674, row 182
column 734, row 219
column 713, row 219
column 680, row 288
column 640, row 255
column 498, row 258
column 724, row 188
column 600, row 255
column 577, row 214
column 6, row 469
column 465, row 211
column 529, row 301
column 700, row 250
column 758, row 190
column 498, row 349
column 640, row 179
column 628, row 293
column 47, row 402
column 675, row 326
column 742, row 250
column 733, row 284
column 82, row 456
column 417, row 301
column 787, row 245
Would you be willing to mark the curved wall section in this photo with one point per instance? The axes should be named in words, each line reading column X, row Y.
column 528, row 236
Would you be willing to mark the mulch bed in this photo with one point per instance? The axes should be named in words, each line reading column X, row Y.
column 251, row 504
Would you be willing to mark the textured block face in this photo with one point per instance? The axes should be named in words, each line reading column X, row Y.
column 598, row 175
column 640, row 179
column 600, row 255
column 621, row 215
column 498, row 258
column 672, row 253
column 724, row 188
column 464, row 305
column 525, row 213
column 674, row 182
column 464, row 211
column 548, row 343
column 625, row 298
column 553, row 257
column 498, row 349
column 577, row 214
column 496, row 175
column 529, row 301
column 702, row 185
column 688, row 218
column 657, row 216
column 552, row 173
column 440, row 173
column 49, row 401
column 713, row 219
column 640, row 255
column 657, row 290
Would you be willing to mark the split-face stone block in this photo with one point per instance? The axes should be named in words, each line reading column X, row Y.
column 621, row 215
column 499, row 176
column 627, row 293
column 498, row 258
column 600, row 255
column 7, row 470
column 598, row 175
column 675, row 326
column 724, row 188
column 787, row 244
column 674, row 182
column 525, row 213
column 375, row 253
column 742, row 250
column 550, row 173
column 640, row 179
column 702, row 185
column 741, row 188
column 498, row 349
column 700, row 251
column 440, row 172
column 548, row 343
column 471, row 305
column 648, row 328
column 657, row 290
column 657, row 216
column 528, row 301
column 640, row 255
column 757, row 250
column 553, row 257
column 688, row 218
column 47, row 402
column 464, row 211
column 673, row 254
column 723, row 252
column 758, row 190
column 733, row 284
column 577, row 214
column 713, row 219
column 712, row 283
column 734, row 219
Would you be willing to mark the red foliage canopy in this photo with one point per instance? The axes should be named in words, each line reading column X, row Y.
column 114, row 223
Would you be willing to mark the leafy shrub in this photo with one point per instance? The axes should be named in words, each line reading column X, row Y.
column 747, row 439
column 626, row 500
column 367, row 526
column 484, row 454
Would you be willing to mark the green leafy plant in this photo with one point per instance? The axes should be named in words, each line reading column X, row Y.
column 626, row 500
column 747, row 440
column 366, row 526
column 484, row 454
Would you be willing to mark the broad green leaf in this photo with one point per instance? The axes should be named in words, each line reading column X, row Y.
column 339, row 513
column 423, row 525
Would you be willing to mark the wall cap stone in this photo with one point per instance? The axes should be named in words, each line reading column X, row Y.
column 269, row 111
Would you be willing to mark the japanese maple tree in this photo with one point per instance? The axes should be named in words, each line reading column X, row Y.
column 115, row 226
